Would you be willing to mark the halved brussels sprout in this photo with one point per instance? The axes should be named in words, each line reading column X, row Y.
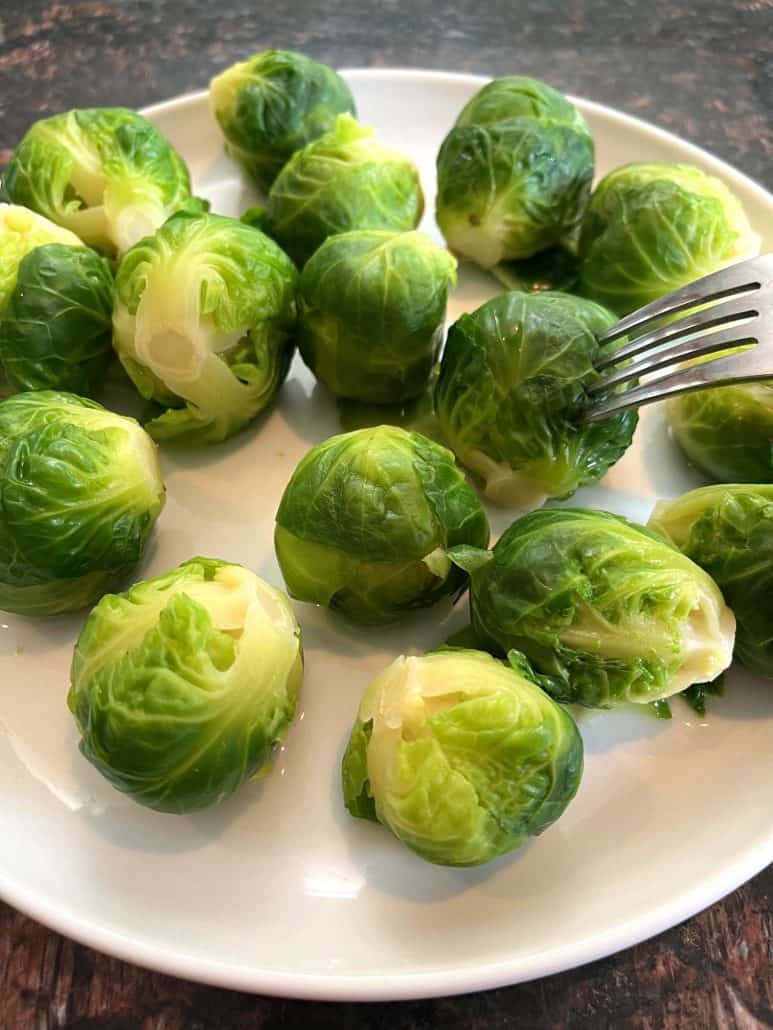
column 512, row 379
column 202, row 322
column 371, row 308
column 366, row 522
column 56, row 302
column 183, row 685
column 105, row 173
column 514, row 174
column 461, row 756
column 273, row 104
column 728, row 531
column 651, row 228
column 344, row 180
column 605, row 610
column 727, row 432
column 80, row 491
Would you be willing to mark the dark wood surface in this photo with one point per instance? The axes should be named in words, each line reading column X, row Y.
column 703, row 69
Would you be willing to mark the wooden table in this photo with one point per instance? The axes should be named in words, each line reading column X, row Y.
column 703, row 69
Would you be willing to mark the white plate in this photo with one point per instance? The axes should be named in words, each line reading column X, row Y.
column 278, row 890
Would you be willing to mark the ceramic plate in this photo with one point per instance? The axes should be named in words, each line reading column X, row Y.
column 278, row 890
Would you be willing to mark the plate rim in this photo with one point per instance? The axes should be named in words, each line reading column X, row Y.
column 404, row 986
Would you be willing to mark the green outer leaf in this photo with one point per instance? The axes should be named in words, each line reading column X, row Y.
column 371, row 311
column 598, row 605
column 462, row 757
column 56, row 329
column 513, row 376
column 21, row 231
column 517, row 96
column 728, row 531
column 344, row 180
column 273, row 104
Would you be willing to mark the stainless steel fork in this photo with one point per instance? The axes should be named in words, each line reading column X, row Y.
column 740, row 315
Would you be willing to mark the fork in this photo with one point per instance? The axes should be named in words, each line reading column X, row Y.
column 740, row 315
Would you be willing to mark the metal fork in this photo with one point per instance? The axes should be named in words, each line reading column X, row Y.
column 740, row 315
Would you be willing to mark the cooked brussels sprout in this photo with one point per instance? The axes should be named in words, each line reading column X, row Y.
column 461, row 756
column 728, row 531
column 366, row 521
column 371, row 307
column 727, row 432
column 273, row 104
column 512, row 377
column 56, row 301
column 105, row 173
column 605, row 610
column 182, row 686
column 514, row 174
column 202, row 321
column 80, row 490
column 651, row 228
column 344, row 180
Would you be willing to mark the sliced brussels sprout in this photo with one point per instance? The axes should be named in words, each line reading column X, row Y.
column 371, row 309
column 513, row 376
column 365, row 524
column 728, row 531
column 344, row 180
column 80, row 491
column 605, row 610
column 105, row 173
column 651, row 228
column 514, row 174
column 56, row 301
column 726, row 432
column 202, row 324
column 183, row 685
column 461, row 756
column 273, row 104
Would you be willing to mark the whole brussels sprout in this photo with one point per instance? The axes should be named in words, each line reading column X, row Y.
column 461, row 756
column 651, row 228
column 728, row 531
column 371, row 307
column 202, row 321
column 105, row 173
column 80, row 491
column 182, row 686
column 365, row 524
column 56, row 302
column 513, row 376
column 604, row 610
column 514, row 174
column 727, row 431
column 273, row 104
column 344, row 180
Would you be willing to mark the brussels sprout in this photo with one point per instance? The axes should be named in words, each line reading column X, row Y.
column 344, row 180
column 728, row 531
column 514, row 174
column 182, row 686
column 202, row 321
column 371, row 307
column 727, row 432
column 605, row 610
column 557, row 268
column 511, row 380
column 80, row 490
column 651, row 228
column 105, row 173
column 56, row 301
column 366, row 521
column 460, row 756
column 273, row 104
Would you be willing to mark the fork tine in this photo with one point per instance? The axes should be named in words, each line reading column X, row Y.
column 706, row 318
column 693, row 347
column 717, row 372
column 737, row 278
